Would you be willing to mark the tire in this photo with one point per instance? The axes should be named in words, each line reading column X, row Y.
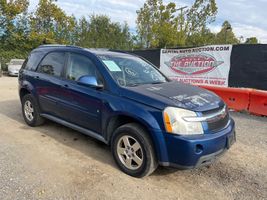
column 141, row 153
column 31, row 111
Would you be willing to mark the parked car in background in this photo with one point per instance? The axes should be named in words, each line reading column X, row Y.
column 14, row 66
column 127, row 103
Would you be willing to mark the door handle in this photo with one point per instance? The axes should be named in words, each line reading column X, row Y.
column 66, row 85
column 37, row 77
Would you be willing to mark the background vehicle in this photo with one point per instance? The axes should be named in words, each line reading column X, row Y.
column 14, row 66
column 127, row 103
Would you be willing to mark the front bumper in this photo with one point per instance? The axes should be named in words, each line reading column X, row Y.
column 186, row 152
column 13, row 73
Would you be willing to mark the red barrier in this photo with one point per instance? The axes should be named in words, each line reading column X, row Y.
column 258, row 102
column 236, row 98
column 241, row 99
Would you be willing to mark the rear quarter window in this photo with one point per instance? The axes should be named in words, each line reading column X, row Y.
column 33, row 60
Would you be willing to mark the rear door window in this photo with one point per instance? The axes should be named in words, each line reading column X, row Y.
column 52, row 64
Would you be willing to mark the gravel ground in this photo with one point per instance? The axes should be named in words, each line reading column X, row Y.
column 54, row 162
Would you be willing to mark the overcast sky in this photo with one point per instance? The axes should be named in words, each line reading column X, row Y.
column 248, row 17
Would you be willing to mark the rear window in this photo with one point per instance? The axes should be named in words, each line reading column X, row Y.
column 52, row 64
column 33, row 61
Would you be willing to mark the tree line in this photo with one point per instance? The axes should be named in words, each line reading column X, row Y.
column 162, row 25
column 159, row 25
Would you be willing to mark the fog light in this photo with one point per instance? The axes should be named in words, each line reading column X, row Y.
column 199, row 148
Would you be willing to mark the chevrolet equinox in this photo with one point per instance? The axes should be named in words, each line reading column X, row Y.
column 127, row 103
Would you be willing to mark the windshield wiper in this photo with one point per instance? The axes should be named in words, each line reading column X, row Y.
column 137, row 84
column 158, row 82
column 133, row 85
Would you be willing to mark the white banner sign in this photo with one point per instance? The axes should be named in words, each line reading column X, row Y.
column 208, row 65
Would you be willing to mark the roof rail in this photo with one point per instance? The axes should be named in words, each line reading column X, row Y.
column 52, row 45
column 123, row 51
column 58, row 45
column 98, row 49
column 119, row 51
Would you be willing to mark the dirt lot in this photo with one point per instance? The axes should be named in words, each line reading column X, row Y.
column 54, row 162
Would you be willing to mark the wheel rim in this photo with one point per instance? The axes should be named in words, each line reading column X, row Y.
column 130, row 152
column 28, row 110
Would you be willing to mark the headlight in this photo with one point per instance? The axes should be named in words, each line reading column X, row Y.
column 175, row 123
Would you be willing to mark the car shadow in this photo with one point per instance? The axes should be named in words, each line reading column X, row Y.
column 66, row 136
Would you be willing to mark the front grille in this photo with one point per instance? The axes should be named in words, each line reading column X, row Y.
column 219, row 123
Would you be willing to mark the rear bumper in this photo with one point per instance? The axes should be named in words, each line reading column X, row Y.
column 187, row 152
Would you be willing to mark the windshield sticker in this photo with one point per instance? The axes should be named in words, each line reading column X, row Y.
column 146, row 70
column 155, row 76
column 131, row 72
column 121, row 82
column 112, row 66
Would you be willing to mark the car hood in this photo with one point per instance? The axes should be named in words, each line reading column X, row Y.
column 173, row 94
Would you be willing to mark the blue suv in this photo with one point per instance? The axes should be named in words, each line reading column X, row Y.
column 127, row 103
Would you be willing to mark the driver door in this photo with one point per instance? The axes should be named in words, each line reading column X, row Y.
column 81, row 105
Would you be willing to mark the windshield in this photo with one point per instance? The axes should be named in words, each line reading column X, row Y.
column 131, row 71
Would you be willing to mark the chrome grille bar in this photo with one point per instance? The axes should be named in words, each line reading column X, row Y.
column 210, row 117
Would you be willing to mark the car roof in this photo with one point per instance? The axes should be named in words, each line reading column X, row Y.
column 95, row 51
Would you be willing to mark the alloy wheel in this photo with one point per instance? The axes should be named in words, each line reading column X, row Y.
column 28, row 110
column 130, row 152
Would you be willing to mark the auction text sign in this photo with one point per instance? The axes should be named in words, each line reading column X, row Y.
column 208, row 65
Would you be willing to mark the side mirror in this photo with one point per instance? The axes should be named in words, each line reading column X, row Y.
column 89, row 81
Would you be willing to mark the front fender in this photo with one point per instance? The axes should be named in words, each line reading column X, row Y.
column 149, row 117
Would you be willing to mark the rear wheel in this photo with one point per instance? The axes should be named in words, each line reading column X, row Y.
column 133, row 151
column 31, row 111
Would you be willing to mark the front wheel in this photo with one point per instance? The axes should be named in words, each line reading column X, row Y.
column 133, row 151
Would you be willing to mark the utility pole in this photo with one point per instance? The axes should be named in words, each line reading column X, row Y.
column 181, row 9
column 181, row 18
column 181, row 14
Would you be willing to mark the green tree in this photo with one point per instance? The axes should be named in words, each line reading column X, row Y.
column 251, row 40
column 99, row 32
column 226, row 35
column 160, row 25
column 50, row 22
column 10, row 12
column 166, row 28
column 145, row 22
column 201, row 13
column 157, row 24
column 82, row 31
column 12, row 30
column 205, row 37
